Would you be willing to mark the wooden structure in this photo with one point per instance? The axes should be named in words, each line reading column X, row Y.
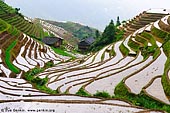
column 85, row 44
column 53, row 41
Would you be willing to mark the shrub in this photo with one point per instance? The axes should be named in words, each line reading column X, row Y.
column 102, row 94
column 39, row 81
column 82, row 92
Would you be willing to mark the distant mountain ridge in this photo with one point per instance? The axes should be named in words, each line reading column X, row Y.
column 78, row 30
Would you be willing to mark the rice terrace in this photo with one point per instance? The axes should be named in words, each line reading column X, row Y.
column 128, row 75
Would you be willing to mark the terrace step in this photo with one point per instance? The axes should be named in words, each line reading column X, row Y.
column 164, row 26
column 155, row 90
column 136, row 82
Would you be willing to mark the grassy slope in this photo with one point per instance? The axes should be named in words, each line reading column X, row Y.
column 165, row 80
column 8, row 56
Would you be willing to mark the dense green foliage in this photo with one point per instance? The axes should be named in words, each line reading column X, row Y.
column 111, row 34
column 97, row 34
column 102, row 94
column 143, row 100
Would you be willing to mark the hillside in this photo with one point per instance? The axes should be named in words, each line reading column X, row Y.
column 22, row 53
column 58, row 31
column 142, row 19
column 20, row 48
column 78, row 30
column 13, row 17
column 131, row 75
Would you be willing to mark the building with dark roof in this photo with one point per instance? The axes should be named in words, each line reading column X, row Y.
column 53, row 41
column 85, row 44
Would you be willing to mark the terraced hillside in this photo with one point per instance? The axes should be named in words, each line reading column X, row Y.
column 126, row 74
column 143, row 19
column 138, row 64
column 11, row 16
column 19, row 53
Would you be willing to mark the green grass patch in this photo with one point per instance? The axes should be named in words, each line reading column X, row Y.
column 165, row 80
column 82, row 92
column 46, row 34
column 112, row 52
column 156, row 53
column 103, row 55
column 142, row 99
column 3, row 25
column 159, row 33
column 61, row 52
column 13, row 31
column 142, row 40
column 8, row 57
column 166, row 48
column 39, row 83
column 10, row 29
column 150, row 50
column 149, row 37
column 125, row 51
column 52, row 35
column 135, row 46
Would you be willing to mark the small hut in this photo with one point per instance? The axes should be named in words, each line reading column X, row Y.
column 85, row 44
column 53, row 41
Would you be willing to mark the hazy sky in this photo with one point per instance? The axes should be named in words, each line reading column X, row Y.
column 95, row 13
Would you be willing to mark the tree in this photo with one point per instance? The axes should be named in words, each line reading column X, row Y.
column 17, row 9
column 109, row 33
column 97, row 34
column 118, row 21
